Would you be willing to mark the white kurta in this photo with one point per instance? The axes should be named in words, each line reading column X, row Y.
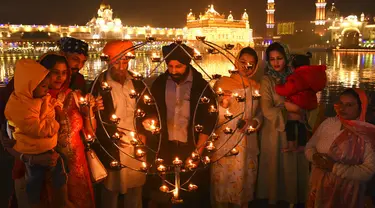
column 120, row 181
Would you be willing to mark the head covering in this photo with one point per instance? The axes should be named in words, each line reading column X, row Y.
column 72, row 45
column 283, row 49
column 113, row 48
column 180, row 53
column 28, row 74
column 65, row 86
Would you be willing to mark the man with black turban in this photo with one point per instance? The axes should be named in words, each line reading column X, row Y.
column 76, row 52
column 177, row 93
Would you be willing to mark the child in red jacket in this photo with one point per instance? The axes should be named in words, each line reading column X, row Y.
column 300, row 89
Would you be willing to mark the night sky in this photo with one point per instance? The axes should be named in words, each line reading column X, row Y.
column 165, row 13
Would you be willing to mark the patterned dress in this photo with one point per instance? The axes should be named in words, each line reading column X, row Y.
column 80, row 190
column 233, row 177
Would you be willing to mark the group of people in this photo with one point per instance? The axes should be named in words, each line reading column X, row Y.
column 290, row 156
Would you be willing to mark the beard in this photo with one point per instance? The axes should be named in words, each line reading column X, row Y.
column 178, row 77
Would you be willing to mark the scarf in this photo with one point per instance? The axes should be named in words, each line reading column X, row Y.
column 288, row 69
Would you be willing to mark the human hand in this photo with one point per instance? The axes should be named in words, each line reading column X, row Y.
column 6, row 141
column 291, row 107
column 323, row 161
column 225, row 99
column 99, row 105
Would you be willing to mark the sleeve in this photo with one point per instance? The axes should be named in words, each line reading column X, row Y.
column 37, row 123
column 258, row 117
column 362, row 172
column 270, row 112
column 310, row 148
column 293, row 85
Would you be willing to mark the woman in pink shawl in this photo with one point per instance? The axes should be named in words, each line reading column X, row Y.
column 343, row 155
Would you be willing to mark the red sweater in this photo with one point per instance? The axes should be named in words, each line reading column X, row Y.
column 301, row 86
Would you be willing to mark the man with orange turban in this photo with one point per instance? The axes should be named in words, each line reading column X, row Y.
column 120, row 180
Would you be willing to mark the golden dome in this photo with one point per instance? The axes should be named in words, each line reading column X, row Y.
column 211, row 13
column 104, row 5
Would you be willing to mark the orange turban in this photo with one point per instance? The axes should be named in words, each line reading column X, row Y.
column 114, row 48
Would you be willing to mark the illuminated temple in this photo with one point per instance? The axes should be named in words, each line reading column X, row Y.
column 216, row 27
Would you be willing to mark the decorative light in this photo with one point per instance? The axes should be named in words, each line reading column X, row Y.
column 114, row 164
column 238, row 97
column 161, row 168
column 191, row 165
column 83, row 101
column 178, row 40
column 194, row 156
column 133, row 94
column 164, row 189
column 206, row 160
column 197, row 55
column 234, row 151
column 150, row 39
column 89, row 138
column 228, row 115
column 140, row 153
column 192, row 187
column 199, row 128
column 256, row 95
column 106, row 87
column 159, row 161
column 154, row 130
column 177, row 162
column 144, row 166
column 134, row 142
column 205, row 100
column 250, row 130
column 220, row 92
column 228, row 130
column 200, row 38
column 229, row 46
column 212, row 109
column 210, row 146
column 137, row 76
column 104, row 57
column 155, row 57
column 117, row 135
column 140, row 113
column 147, row 100
column 214, row 136
column 130, row 55
column 115, row 119
column 216, row 76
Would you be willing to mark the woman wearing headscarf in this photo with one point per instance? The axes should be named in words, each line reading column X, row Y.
column 233, row 177
column 343, row 155
column 282, row 177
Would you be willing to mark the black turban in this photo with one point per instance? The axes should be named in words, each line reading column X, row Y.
column 178, row 54
column 73, row 45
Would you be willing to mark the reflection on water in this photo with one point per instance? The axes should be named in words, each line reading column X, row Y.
column 345, row 69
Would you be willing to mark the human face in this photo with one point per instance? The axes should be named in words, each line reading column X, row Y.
column 42, row 89
column 277, row 61
column 243, row 63
column 58, row 76
column 348, row 107
column 119, row 70
column 76, row 61
column 177, row 70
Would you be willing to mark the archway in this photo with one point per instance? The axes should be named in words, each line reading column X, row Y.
column 350, row 38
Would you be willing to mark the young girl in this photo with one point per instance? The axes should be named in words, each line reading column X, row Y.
column 31, row 111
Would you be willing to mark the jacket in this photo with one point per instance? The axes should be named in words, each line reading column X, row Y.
column 301, row 86
column 33, row 118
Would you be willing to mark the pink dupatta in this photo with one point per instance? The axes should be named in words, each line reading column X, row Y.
column 329, row 190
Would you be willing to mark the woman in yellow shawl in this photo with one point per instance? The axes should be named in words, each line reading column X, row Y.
column 233, row 178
